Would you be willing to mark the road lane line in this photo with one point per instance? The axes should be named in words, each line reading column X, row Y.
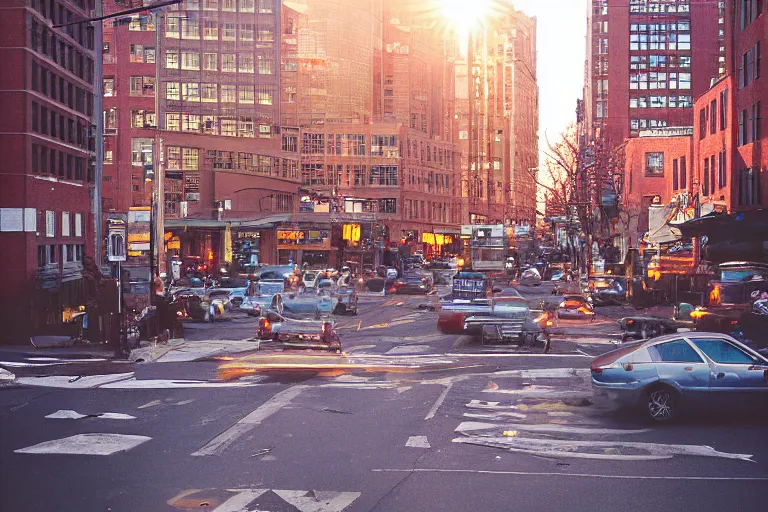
column 576, row 475
column 251, row 421
column 240, row 501
column 469, row 426
column 439, row 401
column 548, row 356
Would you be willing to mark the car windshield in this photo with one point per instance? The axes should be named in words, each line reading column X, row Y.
column 309, row 276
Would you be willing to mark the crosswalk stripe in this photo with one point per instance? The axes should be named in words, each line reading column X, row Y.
column 87, row 444
column 240, row 501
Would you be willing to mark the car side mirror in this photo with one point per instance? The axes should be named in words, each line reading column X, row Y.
column 497, row 290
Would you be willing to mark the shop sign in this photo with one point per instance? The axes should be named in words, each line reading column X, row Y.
column 353, row 217
column 174, row 243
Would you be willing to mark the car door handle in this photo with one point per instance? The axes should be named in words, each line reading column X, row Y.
column 720, row 375
column 688, row 368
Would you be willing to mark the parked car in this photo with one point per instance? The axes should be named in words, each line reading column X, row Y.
column 646, row 327
column 309, row 279
column 530, row 277
column 413, row 282
column 678, row 372
column 269, row 296
column 607, row 290
column 345, row 301
column 304, row 334
column 576, row 307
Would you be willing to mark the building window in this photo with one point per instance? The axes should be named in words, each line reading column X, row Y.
column 211, row 31
column 172, row 91
column 246, row 32
column 265, row 34
column 228, row 62
column 172, row 59
column 703, row 123
column 211, row 5
column 313, row 143
column 290, row 143
column 141, row 151
column 246, row 63
column 705, row 184
column 108, row 87
column 247, row 5
column 190, row 28
column 229, row 127
column 749, row 187
column 228, row 5
column 683, row 174
column 654, row 164
column 190, row 61
column 173, row 121
column 190, row 91
column 266, row 65
column 210, row 61
column 723, row 109
column 210, row 92
column 141, row 53
column 675, row 175
column 50, row 227
column 172, row 27
column 142, row 86
column 713, row 117
column 190, row 158
column 228, row 94
column 245, row 94
column 264, row 94
column 229, row 33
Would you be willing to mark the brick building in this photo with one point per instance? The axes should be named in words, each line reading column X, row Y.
column 46, row 228
column 647, row 60
column 657, row 165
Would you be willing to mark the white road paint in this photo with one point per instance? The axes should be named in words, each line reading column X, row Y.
column 359, row 348
column 174, row 384
column 439, row 401
column 318, row 501
column 73, row 381
column 408, row 349
column 87, row 444
column 521, row 354
column 579, row 475
column 20, row 364
column 469, row 426
column 559, row 414
column 6, row 376
column 578, row 449
column 539, row 392
column 82, row 360
column 251, row 421
column 482, row 404
column 497, row 416
column 239, row 502
column 545, row 373
column 418, row 442
column 352, row 378
column 68, row 414
column 362, row 385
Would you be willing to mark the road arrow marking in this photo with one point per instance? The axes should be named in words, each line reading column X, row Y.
column 318, row 501
column 240, row 501
column 87, row 444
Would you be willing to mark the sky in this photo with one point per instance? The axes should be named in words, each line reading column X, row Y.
column 562, row 27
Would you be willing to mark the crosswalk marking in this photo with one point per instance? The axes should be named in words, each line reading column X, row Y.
column 87, row 444
column 417, row 442
column 240, row 501
column 318, row 501
column 251, row 421
column 67, row 414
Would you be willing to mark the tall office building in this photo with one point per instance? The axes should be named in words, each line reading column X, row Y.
column 47, row 143
column 647, row 60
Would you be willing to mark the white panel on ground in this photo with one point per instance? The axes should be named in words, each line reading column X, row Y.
column 240, row 501
column 66, row 414
column 417, row 442
column 249, row 422
column 6, row 376
column 545, row 427
column 544, row 373
column 318, row 501
column 408, row 349
column 73, row 381
column 606, row 450
column 501, row 416
column 87, row 444
column 173, row 384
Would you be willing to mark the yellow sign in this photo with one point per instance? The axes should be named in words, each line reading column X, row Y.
column 227, row 245
column 174, row 243
column 351, row 232
column 291, row 235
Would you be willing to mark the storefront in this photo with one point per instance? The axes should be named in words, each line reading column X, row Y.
column 309, row 246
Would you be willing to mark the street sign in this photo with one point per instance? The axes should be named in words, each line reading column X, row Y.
column 117, row 229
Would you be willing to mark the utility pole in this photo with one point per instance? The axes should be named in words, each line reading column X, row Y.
column 98, row 118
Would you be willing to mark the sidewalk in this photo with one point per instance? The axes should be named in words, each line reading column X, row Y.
column 181, row 350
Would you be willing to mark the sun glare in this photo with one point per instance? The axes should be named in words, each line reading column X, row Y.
column 464, row 15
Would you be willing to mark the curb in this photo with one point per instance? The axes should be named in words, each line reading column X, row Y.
column 153, row 351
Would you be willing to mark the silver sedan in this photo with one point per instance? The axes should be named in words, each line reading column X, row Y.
column 671, row 373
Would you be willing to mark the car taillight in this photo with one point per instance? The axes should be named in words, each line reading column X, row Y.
column 265, row 327
column 399, row 283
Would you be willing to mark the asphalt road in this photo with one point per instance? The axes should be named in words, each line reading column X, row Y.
column 386, row 427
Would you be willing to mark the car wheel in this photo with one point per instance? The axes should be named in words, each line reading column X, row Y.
column 661, row 404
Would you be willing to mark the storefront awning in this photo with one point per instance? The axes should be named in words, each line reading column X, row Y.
column 263, row 223
column 447, row 230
